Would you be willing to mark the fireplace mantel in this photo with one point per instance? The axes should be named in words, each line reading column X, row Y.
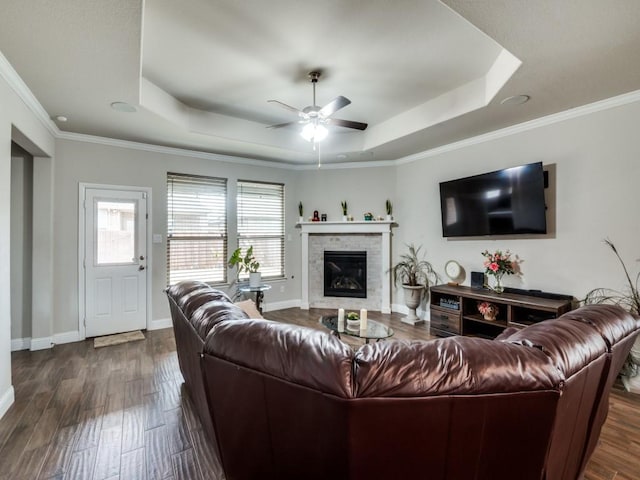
column 382, row 228
column 346, row 227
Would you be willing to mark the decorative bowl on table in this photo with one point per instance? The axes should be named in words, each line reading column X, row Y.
column 353, row 321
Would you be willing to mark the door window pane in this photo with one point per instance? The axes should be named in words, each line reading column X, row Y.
column 116, row 232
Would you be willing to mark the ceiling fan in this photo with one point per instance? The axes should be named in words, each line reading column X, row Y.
column 314, row 118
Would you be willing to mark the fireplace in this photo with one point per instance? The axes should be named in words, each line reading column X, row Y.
column 345, row 274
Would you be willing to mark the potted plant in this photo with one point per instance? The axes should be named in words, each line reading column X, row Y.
column 389, row 209
column 343, row 204
column 246, row 263
column 629, row 299
column 300, row 213
column 415, row 274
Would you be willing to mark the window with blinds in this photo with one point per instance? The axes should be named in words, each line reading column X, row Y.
column 196, row 228
column 261, row 224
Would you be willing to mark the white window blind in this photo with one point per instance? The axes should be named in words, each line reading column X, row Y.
column 196, row 228
column 261, row 224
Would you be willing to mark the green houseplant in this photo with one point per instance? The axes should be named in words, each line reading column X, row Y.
column 246, row 263
column 300, row 212
column 343, row 204
column 389, row 209
column 415, row 274
column 629, row 299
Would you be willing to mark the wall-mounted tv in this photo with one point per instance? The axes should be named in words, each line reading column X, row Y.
column 505, row 202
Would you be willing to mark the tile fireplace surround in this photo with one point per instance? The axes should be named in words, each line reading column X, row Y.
column 374, row 237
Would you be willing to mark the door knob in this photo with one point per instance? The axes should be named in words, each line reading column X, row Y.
column 141, row 257
column 141, row 267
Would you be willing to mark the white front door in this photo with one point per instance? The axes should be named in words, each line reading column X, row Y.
column 115, row 248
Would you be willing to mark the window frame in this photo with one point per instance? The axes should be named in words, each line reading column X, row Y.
column 281, row 236
column 218, row 184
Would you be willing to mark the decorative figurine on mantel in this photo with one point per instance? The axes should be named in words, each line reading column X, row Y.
column 316, row 216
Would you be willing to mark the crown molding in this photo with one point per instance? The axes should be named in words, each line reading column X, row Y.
column 338, row 166
column 617, row 101
column 183, row 152
column 26, row 95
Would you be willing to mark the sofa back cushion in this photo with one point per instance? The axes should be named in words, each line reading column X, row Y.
column 210, row 313
column 304, row 356
column 451, row 366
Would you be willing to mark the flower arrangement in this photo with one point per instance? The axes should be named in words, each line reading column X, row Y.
column 498, row 264
column 488, row 310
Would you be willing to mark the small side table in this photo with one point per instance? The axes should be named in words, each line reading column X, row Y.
column 259, row 291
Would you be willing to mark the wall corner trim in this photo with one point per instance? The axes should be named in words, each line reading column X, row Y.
column 6, row 400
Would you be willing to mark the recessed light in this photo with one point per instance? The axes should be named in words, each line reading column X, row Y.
column 61, row 118
column 123, row 107
column 515, row 100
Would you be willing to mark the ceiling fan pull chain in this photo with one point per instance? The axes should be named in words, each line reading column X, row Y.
column 319, row 161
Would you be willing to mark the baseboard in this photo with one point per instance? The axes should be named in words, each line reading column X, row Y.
column 67, row 337
column 20, row 344
column 41, row 343
column 271, row 306
column 6, row 400
column 160, row 324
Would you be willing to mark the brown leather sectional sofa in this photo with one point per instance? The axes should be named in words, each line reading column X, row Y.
column 288, row 402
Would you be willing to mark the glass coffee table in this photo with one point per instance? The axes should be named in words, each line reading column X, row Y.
column 375, row 330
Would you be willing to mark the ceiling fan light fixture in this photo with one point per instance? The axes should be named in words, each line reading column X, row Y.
column 314, row 133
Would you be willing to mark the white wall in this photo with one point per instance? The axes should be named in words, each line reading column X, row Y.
column 14, row 116
column 93, row 163
column 595, row 160
column 21, row 242
column 364, row 190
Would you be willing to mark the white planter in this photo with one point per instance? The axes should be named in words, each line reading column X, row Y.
column 300, row 219
column 344, row 218
column 255, row 279
column 389, row 218
column 412, row 298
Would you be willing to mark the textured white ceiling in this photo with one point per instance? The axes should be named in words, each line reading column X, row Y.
column 422, row 73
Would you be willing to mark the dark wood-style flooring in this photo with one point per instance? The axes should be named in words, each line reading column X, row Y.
column 121, row 412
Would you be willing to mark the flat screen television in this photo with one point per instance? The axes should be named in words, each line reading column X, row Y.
column 505, row 202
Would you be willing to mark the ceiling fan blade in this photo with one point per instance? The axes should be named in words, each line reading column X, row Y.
column 334, row 105
column 290, row 108
column 281, row 125
column 347, row 123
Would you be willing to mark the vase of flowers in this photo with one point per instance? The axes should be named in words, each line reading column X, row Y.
column 488, row 310
column 498, row 264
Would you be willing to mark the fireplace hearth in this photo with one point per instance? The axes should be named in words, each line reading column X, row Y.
column 345, row 274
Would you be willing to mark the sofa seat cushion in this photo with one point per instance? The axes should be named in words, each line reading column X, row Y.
column 300, row 355
column 451, row 366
